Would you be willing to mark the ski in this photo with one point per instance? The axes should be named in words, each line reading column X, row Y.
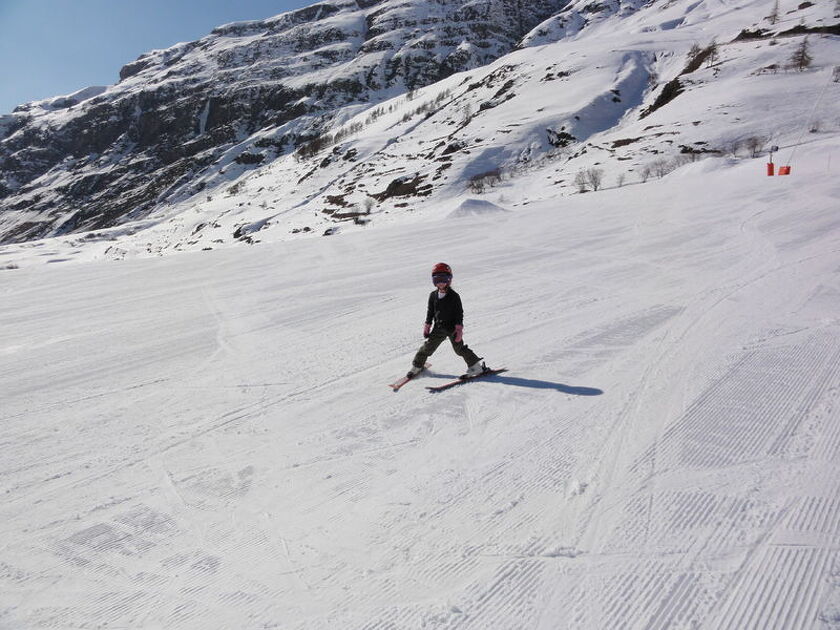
column 396, row 386
column 464, row 379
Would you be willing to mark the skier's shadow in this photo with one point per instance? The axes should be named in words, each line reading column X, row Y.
column 560, row 387
column 536, row 384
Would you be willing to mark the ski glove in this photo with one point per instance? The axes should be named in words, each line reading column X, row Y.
column 459, row 333
column 427, row 330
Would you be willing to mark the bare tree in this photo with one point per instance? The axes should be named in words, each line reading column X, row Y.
column 368, row 204
column 713, row 54
column 801, row 57
column 774, row 13
column 645, row 173
column 690, row 156
column 836, row 75
column 755, row 145
column 733, row 147
column 619, row 180
column 594, row 177
column 681, row 160
column 660, row 168
column 694, row 51
column 581, row 181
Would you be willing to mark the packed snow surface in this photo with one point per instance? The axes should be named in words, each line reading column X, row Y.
column 207, row 440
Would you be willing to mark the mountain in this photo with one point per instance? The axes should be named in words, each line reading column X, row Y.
column 251, row 91
column 347, row 113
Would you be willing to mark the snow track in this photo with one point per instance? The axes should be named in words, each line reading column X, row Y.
column 207, row 441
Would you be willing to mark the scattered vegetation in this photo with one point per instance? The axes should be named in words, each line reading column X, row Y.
column 376, row 114
column 429, row 108
column 479, row 183
column 697, row 56
column 660, row 167
column 314, row 145
column 755, row 145
column 320, row 142
column 488, row 179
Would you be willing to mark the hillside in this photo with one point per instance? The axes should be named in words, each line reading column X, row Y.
column 247, row 93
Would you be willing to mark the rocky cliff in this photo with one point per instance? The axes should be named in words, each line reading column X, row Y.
column 248, row 93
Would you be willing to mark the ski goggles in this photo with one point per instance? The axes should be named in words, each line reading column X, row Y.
column 437, row 278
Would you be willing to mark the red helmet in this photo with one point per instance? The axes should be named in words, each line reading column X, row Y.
column 441, row 272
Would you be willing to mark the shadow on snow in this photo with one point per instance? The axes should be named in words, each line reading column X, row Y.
column 560, row 387
column 534, row 384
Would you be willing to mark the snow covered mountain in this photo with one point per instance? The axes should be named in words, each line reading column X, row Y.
column 248, row 92
column 346, row 112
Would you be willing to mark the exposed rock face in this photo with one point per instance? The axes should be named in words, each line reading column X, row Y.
column 246, row 93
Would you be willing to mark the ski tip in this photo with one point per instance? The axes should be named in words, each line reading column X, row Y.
column 396, row 386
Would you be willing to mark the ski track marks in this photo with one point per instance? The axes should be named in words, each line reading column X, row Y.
column 767, row 559
column 248, row 467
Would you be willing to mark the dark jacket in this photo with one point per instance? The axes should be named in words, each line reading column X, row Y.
column 446, row 311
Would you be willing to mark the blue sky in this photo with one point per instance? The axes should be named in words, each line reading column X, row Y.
column 54, row 47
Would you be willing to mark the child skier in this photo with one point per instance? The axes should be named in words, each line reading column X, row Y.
column 447, row 314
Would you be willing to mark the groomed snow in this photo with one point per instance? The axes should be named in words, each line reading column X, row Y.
column 207, row 440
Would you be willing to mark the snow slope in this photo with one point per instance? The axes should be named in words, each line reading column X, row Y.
column 207, row 440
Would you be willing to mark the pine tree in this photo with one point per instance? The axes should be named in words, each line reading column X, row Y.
column 801, row 57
